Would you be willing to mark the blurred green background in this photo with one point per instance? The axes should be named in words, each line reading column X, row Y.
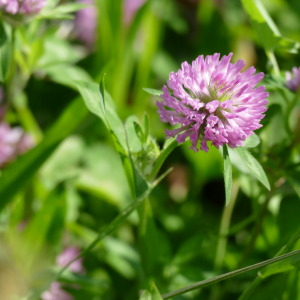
column 74, row 183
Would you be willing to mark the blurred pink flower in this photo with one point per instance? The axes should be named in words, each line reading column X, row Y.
column 293, row 79
column 130, row 9
column 213, row 100
column 23, row 7
column 13, row 142
column 86, row 23
column 2, row 108
column 55, row 292
column 68, row 255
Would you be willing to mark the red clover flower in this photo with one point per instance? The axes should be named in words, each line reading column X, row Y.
column 213, row 100
column 56, row 291
column 13, row 142
column 293, row 79
column 130, row 9
column 22, row 7
column 67, row 256
column 86, row 23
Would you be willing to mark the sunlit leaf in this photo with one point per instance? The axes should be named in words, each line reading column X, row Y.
column 153, row 92
column 152, row 293
column 256, row 169
column 252, row 141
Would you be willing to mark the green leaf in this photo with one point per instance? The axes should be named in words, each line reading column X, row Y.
column 5, row 52
column 102, row 105
column 256, row 169
column 267, row 31
column 67, row 74
column 120, row 256
column 153, row 92
column 46, row 225
column 17, row 174
column 152, row 293
column 116, row 222
column 266, row 37
column 134, row 141
column 280, row 267
column 145, row 127
column 3, row 36
column 253, row 11
column 114, row 121
column 58, row 51
column 252, row 141
column 169, row 146
column 258, row 13
column 62, row 11
column 140, row 184
column 214, row 280
column 227, row 175
column 91, row 97
column 92, row 284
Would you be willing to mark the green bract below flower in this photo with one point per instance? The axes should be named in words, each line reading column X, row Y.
column 213, row 100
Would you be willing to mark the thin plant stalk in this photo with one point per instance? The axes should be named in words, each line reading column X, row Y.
column 109, row 229
column 248, row 292
column 214, row 280
column 224, row 227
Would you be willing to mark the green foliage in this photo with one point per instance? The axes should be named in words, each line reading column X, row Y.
column 255, row 168
column 151, row 293
column 5, row 51
column 146, row 214
column 227, row 175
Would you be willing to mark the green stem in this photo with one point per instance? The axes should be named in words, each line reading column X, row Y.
column 248, row 292
column 273, row 61
column 16, row 83
column 145, row 230
column 207, row 282
column 224, row 227
column 160, row 160
column 29, row 123
column 110, row 228
column 12, row 70
column 267, row 17
column 242, row 224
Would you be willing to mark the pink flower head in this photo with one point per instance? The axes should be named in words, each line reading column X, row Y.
column 293, row 79
column 68, row 255
column 130, row 9
column 22, row 7
column 55, row 292
column 13, row 142
column 212, row 100
column 86, row 23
